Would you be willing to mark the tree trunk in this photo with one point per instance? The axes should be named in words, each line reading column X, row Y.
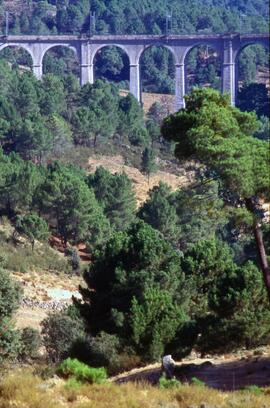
column 260, row 245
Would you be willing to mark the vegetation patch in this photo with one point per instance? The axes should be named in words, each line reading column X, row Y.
column 82, row 372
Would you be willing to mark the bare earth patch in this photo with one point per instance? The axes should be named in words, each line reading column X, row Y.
column 44, row 293
column 115, row 164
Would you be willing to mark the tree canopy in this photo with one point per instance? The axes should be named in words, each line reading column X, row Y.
column 220, row 136
column 128, row 280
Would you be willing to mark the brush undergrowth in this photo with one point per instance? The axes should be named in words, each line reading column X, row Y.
column 165, row 383
column 22, row 259
column 73, row 368
column 23, row 389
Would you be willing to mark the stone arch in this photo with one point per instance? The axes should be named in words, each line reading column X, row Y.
column 241, row 79
column 261, row 42
column 147, row 84
column 19, row 46
column 53, row 47
column 47, row 48
column 156, row 44
column 125, row 57
column 101, row 46
column 212, row 45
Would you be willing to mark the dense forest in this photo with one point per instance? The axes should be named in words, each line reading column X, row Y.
column 186, row 269
column 128, row 17
column 141, row 257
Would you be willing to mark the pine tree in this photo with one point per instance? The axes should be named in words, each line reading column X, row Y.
column 148, row 164
column 221, row 138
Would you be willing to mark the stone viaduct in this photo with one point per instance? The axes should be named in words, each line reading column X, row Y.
column 228, row 47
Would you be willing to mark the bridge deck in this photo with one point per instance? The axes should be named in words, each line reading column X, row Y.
column 137, row 37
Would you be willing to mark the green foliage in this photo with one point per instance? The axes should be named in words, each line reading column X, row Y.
column 66, row 198
column 157, row 70
column 31, row 343
column 196, row 381
column 82, row 372
column 115, row 194
column 112, row 63
column 33, row 227
column 148, row 165
column 254, row 389
column 104, row 351
column 229, row 301
column 131, row 123
column 254, row 97
column 263, row 132
column 203, row 68
column 200, row 211
column 74, row 258
column 144, row 17
column 62, row 135
column 165, row 383
column 60, row 332
column 10, row 295
column 10, row 340
column 97, row 116
column 126, row 281
column 160, row 213
column 187, row 216
column 19, row 181
column 220, row 137
column 154, row 322
column 42, row 120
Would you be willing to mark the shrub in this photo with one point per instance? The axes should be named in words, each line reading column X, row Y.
column 60, row 332
column 23, row 259
column 33, row 227
column 10, row 340
column 3, row 260
column 82, row 372
column 10, row 295
column 129, row 360
column 197, row 381
column 73, row 258
column 104, row 351
column 166, row 383
column 31, row 343
column 254, row 389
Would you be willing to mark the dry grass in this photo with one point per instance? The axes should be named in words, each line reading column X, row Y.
column 116, row 164
column 149, row 98
column 23, row 390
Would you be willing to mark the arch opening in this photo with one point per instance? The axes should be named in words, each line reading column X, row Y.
column 203, row 67
column 17, row 57
column 252, row 79
column 157, row 70
column 61, row 60
column 111, row 63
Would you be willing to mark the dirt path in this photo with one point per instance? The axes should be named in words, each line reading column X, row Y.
column 226, row 376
